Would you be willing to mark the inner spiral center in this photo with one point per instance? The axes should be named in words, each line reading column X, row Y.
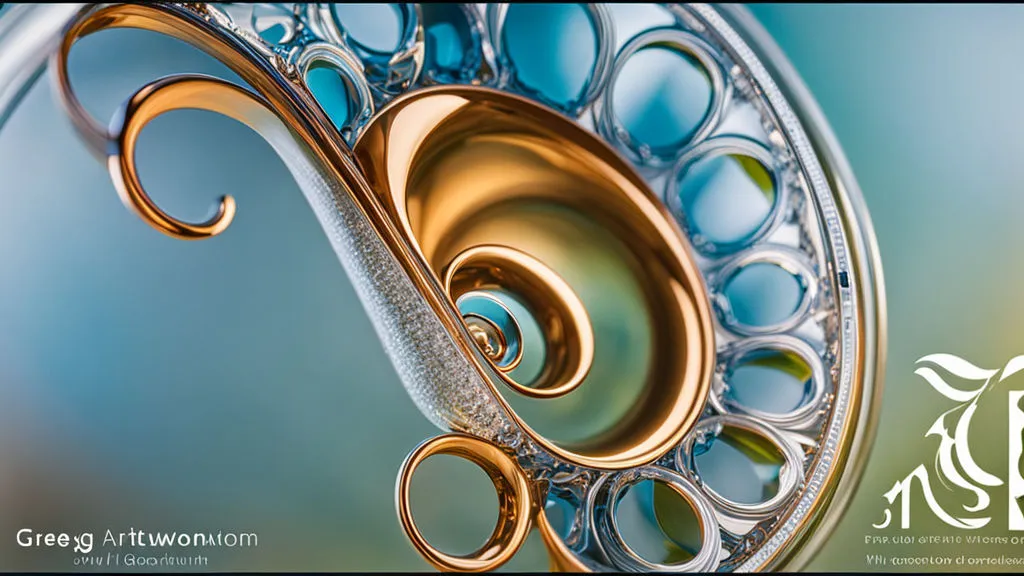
column 493, row 327
column 487, row 336
column 508, row 203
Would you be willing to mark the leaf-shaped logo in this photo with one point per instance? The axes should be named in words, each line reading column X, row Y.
column 959, row 368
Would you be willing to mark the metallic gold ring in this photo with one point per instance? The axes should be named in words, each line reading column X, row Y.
column 515, row 505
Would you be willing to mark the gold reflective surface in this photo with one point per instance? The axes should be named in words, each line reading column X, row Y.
column 569, row 339
column 475, row 189
column 520, row 508
column 475, row 176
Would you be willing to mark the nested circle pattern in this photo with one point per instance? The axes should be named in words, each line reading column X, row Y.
column 789, row 237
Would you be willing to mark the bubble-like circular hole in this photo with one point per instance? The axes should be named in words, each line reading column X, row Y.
column 333, row 91
column 454, row 504
column 739, row 465
column 334, row 77
column 769, row 380
column 452, row 44
column 763, row 294
column 662, row 96
column 667, row 92
column 724, row 198
column 657, row 523
column 553, row 50
column 385, row 39
column 375, row 27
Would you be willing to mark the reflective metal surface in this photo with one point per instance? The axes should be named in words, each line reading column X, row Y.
column 574, row 228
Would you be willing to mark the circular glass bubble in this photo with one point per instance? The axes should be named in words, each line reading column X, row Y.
column 662, row 96
column 665, row 93
column 334, row 79
column 332, row 91
column 746, row 467
column 739, row 466
column 558, row 54
column 726, row 196
column 386, row 38
column 657, row 523
column 763, row 295
column 654, row 519
column 770, row 380
column 778, row 379
column 453, row 36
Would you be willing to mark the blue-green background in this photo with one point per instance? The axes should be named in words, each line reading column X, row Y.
column 236, row 384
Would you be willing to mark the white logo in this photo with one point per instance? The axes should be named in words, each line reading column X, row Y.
column 954, row 465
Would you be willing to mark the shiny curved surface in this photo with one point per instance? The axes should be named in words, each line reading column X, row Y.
column 373, row 201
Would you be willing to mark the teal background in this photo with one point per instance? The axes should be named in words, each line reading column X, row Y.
column 236, row 384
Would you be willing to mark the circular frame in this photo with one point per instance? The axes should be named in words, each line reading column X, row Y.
column 351, row 70
column 515, row 504
column 620, row 552
column 604, row 112
column 604, row 32
column 784, row 257
column 790, row 475
column 407, row 56
column 485, row 73
column 712, row 148
column 563, row 319
column 808, row 412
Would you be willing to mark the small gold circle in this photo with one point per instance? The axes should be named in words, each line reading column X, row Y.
column 488, row 337
column 515, row 505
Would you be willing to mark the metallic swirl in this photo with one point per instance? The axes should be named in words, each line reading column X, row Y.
column 116, row 145
column 165, row 95
column 410, row 298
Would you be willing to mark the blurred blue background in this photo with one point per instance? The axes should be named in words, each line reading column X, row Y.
column 236, row 384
